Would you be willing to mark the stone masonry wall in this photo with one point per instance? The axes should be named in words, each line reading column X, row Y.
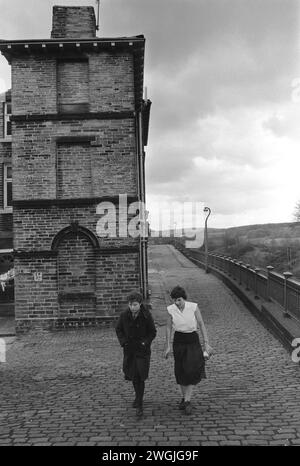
column 111, row 83
column 5, row 158
column 73, row 22
column 60, row 157
column 2, row 117
column 38, row 303
column 72, row 82
column 112, row 156
column 74, row 171
column 36, row 299
column 36, row 228
column 34, row 85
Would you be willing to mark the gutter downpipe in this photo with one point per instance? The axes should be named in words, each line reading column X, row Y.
column 141, row 196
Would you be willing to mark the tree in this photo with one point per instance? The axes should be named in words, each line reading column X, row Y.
column 296, row 213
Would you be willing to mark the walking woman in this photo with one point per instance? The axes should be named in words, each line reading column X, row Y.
column 184, row 317
column 135, row 330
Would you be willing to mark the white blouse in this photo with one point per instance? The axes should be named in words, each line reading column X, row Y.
column 183, row 321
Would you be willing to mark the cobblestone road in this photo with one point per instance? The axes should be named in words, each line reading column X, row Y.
column 68, row 388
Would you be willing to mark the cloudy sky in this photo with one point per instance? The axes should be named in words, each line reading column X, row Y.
column 224, row 79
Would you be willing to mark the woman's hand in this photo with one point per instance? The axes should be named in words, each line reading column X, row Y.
column 168, row 352
column 208, row 349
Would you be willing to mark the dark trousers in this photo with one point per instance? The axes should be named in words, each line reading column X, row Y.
column 139, row 388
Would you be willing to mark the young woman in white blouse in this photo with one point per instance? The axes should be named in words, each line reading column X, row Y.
column 184, row 317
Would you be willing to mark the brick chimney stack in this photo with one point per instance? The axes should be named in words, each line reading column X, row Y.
column 74, row 22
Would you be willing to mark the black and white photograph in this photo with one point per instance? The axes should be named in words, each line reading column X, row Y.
column 149, row 227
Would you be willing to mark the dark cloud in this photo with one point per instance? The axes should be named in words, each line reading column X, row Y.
column 219, row 73
column 221, row 186
column 175, row 28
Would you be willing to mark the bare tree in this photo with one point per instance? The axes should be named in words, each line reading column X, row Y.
column 296, row 213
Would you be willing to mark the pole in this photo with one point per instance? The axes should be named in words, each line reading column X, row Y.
column 269, row 269
column 256, row 270
column 247, row 279
column 286, row 275
column 240, row 272
column 206, row 209
column 98, row 14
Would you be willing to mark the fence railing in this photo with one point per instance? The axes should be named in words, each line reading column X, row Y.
column 267, row 285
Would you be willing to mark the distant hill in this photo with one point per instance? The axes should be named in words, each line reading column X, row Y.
column 276, row 244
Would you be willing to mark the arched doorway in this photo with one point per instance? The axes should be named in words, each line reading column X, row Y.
column 76, row 273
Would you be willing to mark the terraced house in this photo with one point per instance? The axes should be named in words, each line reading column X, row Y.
column 79, row 126
column 6, row 235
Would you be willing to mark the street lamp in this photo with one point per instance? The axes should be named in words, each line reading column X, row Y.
column 206, row 209
column 174, row 233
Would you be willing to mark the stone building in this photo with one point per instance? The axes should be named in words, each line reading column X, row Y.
column 6, row 235
column 79, row 126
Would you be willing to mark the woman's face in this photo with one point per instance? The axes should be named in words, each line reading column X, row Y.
column 179, row 303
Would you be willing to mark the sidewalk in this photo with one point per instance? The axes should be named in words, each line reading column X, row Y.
column 67, row 388
column 269, row 313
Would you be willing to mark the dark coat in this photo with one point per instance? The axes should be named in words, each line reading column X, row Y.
column 135, row 337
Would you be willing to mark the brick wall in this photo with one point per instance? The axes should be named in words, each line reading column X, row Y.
column 72, row 84
column 80, row 282
column 5, row 158
column 35, row 299
column 73, row 22
column 38, row 303
column 34, row 85
column 74, row 175
column 76, row 264
column 76, row 271
column 35, row 82
column 117, row 275
column 111, row 82
column 1, row 119
column 112, row 157
column 35, row 229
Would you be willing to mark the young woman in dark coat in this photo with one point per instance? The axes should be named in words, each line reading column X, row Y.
column 135, row 330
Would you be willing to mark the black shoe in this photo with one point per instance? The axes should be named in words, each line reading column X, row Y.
column 135, row 404
column 139, row 411
column 182, row 404
column 188, row 407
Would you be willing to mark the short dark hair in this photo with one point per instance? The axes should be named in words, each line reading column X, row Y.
column 178, row 292
column 135, row 296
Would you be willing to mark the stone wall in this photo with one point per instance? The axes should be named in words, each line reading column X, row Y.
column 74, row 146
column 37, row 156
column 73, row 22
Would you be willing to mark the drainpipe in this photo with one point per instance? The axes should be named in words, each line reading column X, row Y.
column 141, row 197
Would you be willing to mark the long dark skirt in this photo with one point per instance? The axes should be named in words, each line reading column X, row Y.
column 189, row 359
column 136, row 363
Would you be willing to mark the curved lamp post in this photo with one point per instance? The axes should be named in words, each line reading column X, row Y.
column 206, row 209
